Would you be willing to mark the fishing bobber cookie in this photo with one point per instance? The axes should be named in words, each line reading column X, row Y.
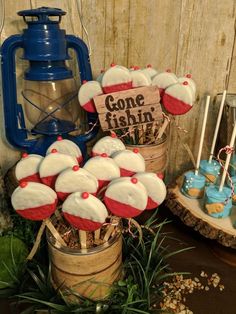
column 108, row 145
column 34, row 201
column 211, row 170
column 139, row 78
column 218, row 204
column 164, row 80
column 178, row 98
column 75, row 179
column 103, row 168
column 155, row 187
column 66, row 147
column 84, row 211
column 129, row 162
column 150, row 71
column 193, row 185
column 53, row 164
column 87, row 91
column 192, row 85
column 27, row 169
column 115, row 79
column 126, row 197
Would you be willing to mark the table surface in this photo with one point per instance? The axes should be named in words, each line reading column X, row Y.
column 200, row 258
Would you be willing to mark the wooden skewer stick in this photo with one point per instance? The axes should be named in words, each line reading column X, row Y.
column 83, row 239
column 54, row 232
column 162, row 129
column 231, row 144
column 37, row 241
column 97, row 234
column 202, row 134
column 114, row 223
column 217, row 126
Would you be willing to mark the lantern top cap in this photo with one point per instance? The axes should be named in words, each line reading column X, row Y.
column 42, row 15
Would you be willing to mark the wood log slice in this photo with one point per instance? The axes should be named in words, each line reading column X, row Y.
column 191, row 212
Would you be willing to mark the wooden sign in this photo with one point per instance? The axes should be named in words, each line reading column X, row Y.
column 129, row 108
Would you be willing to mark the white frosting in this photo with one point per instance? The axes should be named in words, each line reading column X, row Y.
column 70, row 181
column 33, row 195
column 127, row 159
column 55, row 163
column 66, row 147
column 164, row 79
column 90, row 208
column 149, row 71
column 108, row 145
column 191, row 83
column 28, row 166
column 155, row 187
column 89, row 90
column 181, row 92
column 140, row 79
column 103, row 168
column 128, row 193
column 116, row 75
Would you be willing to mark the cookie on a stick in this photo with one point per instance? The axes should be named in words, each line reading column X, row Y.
column 27, row 169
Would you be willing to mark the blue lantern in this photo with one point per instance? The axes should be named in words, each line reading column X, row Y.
column 49, row 88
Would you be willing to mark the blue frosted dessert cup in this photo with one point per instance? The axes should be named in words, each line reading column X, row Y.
column 193, row 185
column 218, row 204
column 210, row 170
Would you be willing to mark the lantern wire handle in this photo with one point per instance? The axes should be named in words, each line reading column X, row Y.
column 83, row 27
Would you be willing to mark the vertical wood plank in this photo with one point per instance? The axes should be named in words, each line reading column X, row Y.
column 154, row 31
column 205, row 46
column 117, row 32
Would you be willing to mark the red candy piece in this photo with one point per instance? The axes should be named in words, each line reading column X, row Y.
column 85, row 195
column 59, row 138
column 75, row 168
column 54, row 150
column 24, row 155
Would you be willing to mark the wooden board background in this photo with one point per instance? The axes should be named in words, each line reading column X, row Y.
column 195, row 36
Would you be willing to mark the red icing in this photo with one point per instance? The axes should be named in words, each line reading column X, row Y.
column 38, row 213
column 82, row 223
column 32, row 178
column 151, row 204
column 113, row 135
column 161, row 91
column 80, row 159
column 174, row 105
column 120, row 209
column 89, row 106
column 59, row 138
column 185, row 83
column 24, row 155
column 54, row 150
column 134, row 180
column 126, row 173
column 85, row 195
column 117, row 87
column 136, row 150
column 50, row 180
column 104, row 155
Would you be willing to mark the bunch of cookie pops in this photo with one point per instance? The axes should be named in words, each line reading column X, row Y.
column 113, row 183
column 177, row 96
column 208, row 180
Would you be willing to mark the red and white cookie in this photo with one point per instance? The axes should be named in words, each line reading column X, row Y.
column 130, row 162
column 66, row 147
column 87, row 91
column 164, row 80
column 108, row 145
column 75, row 179
column 27, row 169
column 84, row 211
column 139, row 78
column 115, row 79
column 126, row 197
column 34, row 201
column 53, row 164
column 192, row 85
column 155, row 187
column 103, row 168
column 150, row 71
column 178, row 98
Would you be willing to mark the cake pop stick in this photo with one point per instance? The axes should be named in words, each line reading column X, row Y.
column 202, row 134
column 163, row 128
column 217, row 126
column 231, row 144
column 83, row 239
column 97, row 234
